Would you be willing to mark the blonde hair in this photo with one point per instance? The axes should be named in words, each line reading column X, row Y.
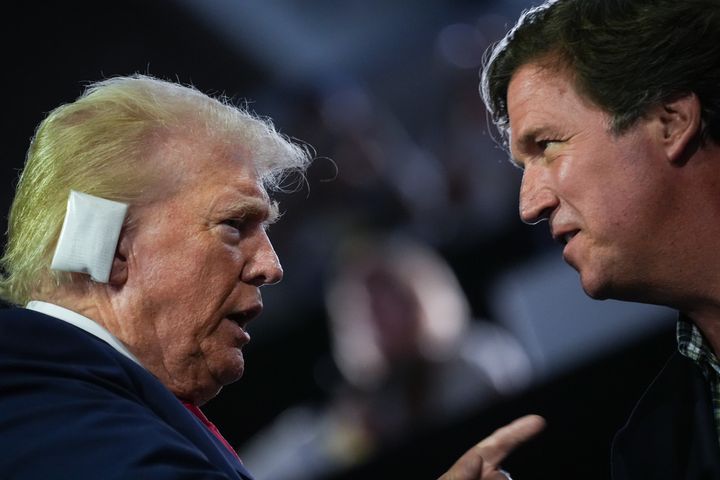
column 102, row 144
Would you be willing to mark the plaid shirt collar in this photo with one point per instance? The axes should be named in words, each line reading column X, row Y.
column 693, row 345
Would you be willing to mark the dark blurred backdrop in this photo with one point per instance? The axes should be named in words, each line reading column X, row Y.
column 385, row 91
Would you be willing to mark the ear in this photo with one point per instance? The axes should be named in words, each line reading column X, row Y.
column 679, row 127
column 119, row 269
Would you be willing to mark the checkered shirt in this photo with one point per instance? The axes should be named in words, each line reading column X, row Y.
column 693, row 345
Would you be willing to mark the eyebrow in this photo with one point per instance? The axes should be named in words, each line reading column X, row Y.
column 529, row 136
column 264, row 209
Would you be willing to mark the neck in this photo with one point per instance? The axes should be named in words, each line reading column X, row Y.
column 695, row 289
column 83, row 299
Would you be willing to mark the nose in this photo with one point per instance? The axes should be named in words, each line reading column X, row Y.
column 264, row 268
column 537, row 199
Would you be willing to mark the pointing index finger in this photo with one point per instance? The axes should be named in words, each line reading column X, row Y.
column 504, row 440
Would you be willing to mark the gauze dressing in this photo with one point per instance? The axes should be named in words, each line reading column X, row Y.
column 89, row 236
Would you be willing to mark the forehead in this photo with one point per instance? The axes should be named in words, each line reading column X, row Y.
column 543, row 102
column 213, row 170
column 537, row 93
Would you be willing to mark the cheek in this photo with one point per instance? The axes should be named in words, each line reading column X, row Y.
column 604, row 177
column 179, row 257
column 186, row 329
column 186, row 271
column 184, row 284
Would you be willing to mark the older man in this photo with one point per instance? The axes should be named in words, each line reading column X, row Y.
column 137, row 247
column 149, row 201
column 612, row 110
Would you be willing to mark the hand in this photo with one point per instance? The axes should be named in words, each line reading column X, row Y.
column 482, row 461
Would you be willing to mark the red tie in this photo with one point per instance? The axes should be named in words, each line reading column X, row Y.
column 195, row 410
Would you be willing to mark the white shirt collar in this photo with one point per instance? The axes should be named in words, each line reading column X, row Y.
column 83, row 323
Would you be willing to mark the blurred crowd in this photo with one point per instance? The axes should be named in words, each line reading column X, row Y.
column 400, row 154
column 410, row 357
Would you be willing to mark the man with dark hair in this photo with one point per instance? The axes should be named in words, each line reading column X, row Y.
column 612, row 110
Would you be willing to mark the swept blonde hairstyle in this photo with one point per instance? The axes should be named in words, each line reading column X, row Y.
column 102, row 144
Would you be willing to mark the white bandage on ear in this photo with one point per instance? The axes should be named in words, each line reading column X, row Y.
column 89, row 236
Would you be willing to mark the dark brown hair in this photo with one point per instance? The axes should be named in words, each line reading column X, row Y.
column 624, row 55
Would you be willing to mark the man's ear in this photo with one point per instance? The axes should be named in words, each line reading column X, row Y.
column 680, row 121
column 119, row 270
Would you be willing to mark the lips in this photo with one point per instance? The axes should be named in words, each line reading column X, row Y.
column 243, row 316
column 564, row 235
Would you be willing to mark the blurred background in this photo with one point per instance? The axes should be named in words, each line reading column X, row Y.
column 417, row 313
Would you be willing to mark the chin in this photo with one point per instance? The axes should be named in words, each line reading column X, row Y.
column 213, row 383
column 197, row 394
column 229, row 372
column 596, row 287
column 603, row 288
column 596, row 294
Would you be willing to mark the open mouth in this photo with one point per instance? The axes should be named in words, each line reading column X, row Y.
column 243, row 317
column 568, row 236
column 564, row 238
column 240, row 318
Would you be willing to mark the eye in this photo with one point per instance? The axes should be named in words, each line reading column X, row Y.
column 238, row 224
column 246, row 225
column 546, row 143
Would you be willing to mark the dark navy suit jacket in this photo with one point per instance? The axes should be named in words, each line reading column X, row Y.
column 72, row 407
column 671, row 433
